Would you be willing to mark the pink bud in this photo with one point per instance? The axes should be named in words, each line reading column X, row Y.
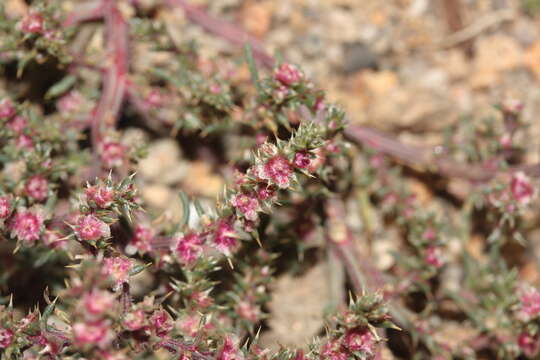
column 37, row 187
column 302, row 159
column 101, row 195
column 265, row 192
column 433, row 257
column 333, row 350
column 215, row 88
column 142, row 239
column 360, row 339
column 161, row 322
column 53, row 240
column 429, row 235
column 90, row 228
column 27, row 225
column 248, row 311
column 32, row 23
column 288, row 74
column 24, row 142
column 5, row 207
column 7, row 109
column 189, row 248
column 97, row 302
column 118, row 269
column 229, row 351
column 155, row 98
column 112, row 154
column 70, row 102
column 18, row 124
column 225, row 237
column 528, row 344
column 529, row 298
column 202, row 299
column 93, row 333
column 6, row 337
column 522, row 188
column 247, row 205
column 134, row 320
column 506, row 141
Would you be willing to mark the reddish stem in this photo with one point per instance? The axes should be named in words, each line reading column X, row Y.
column 227, row 31
column 115, row 76
column 85, row 12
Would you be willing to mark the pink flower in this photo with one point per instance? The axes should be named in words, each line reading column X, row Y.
column 6, row 337
column 265, row 192
column 112, row 154
column 134, row 320
column 90, row 228
column 37, row 187
column 7, row 109
column 5, row 207
column 333, row 350
column 97, row 302
column 429, row 235
column 161, row 322
column 70, row 102
column 248, row 311
column 24, row 142
column 27, row 225
column 215, row 88
column 302, row 159
column 142, row 239
column 359, row 339
column 225, row 237
column 529, row 298
column 189, row 325
column 32, row 23
column 93, row 333
column 53, row 240
column 288, row 74
column 522, row 189
column 202, row 298
column 433, row 257
column 101, row 195
column 247, row 204
column 155, row 98
column 18, row 124
column 117, row 268
column 188, row 248
column 528, row 344
column 278, row 170
column 229, row 351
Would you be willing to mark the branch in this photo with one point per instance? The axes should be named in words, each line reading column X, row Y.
column 225, row 30
column 115, row 76
column 88, row 11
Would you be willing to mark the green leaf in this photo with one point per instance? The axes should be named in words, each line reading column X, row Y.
column 61, row 87
column 253, row 68
column 47, row 312
column 185, row 209
column 138, row 269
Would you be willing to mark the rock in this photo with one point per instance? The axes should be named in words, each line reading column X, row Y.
column 163, row 165
column 358, row 56
column 296, row 309
column 256, row 17
column 532, row 59
column 157, row 196
column 201, row 181
column 495, row 54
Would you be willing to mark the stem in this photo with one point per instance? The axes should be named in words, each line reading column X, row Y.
column 85, row 12
column 115, row 76
column 227, row 31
